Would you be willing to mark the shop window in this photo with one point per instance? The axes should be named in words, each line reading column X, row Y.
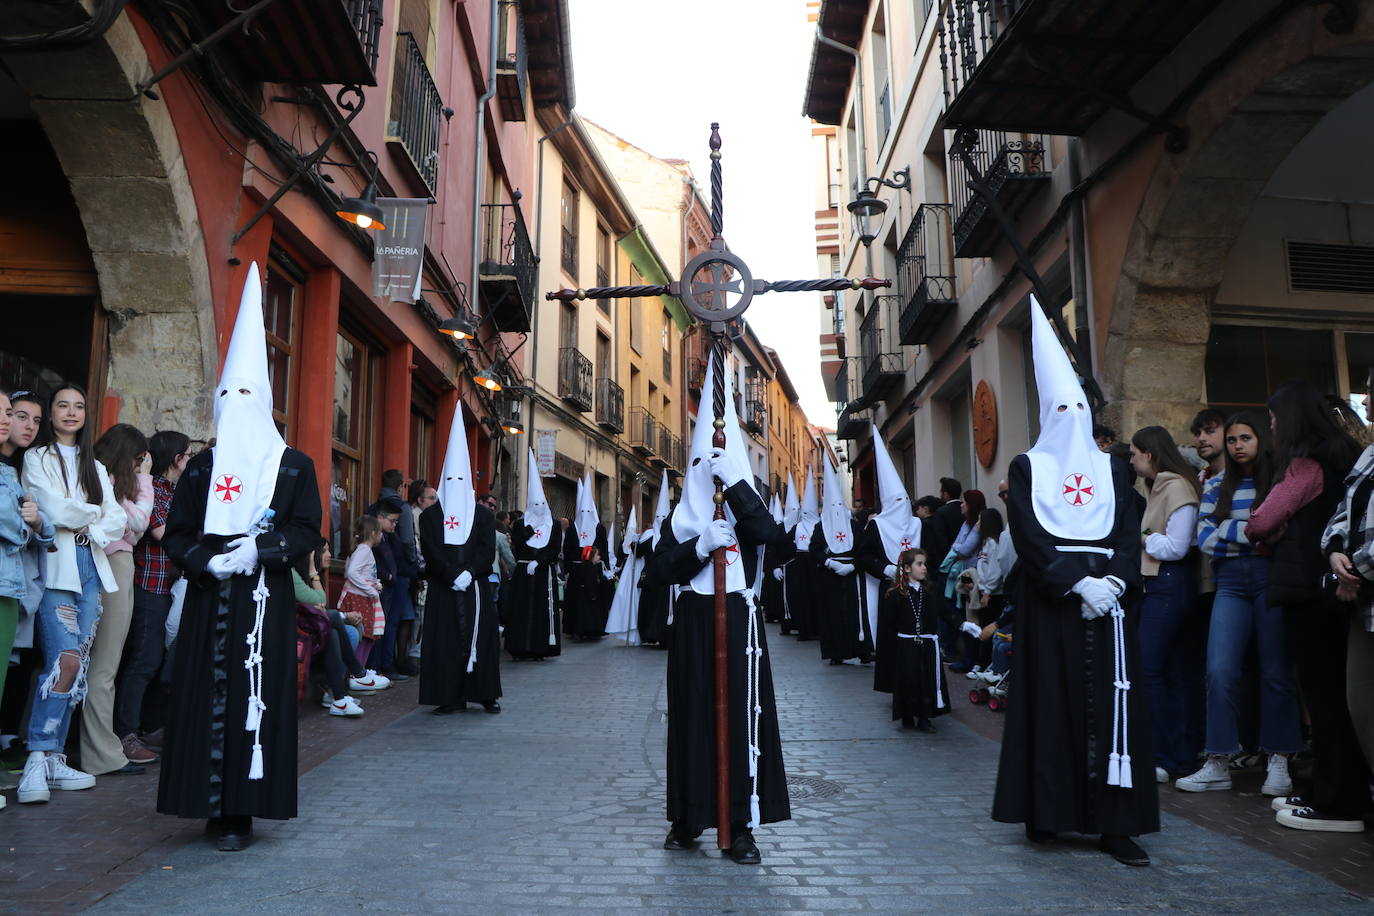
column 423, row 406
column 1245, row 363
column 357, row 391
column 281, row 306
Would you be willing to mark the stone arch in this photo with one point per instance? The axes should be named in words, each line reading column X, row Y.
column 1197, row 202
column 131, row 187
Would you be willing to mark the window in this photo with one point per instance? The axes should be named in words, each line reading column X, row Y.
column 603, row 266
column 881, row 78
column 961, row 439
column 603, row 357
column 423, row 407
column 835, row 265
column 1246, row 363
column 636, row 319
column 568, row 247
column 357, row 372
column 281, row 306
column 567, row 326
column 667, row 346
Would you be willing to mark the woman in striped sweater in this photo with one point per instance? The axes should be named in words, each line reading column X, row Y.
column 1241, row 612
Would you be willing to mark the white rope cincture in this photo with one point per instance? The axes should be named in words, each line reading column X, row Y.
column 860, row 602
column 1119, row 763
column 256, row 706
column 476, row 622
column 753, row 652
column 553, row 624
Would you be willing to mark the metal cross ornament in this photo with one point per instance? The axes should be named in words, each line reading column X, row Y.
column 708, row 282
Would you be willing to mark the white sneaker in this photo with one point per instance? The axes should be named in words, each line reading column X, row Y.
column 974, row 673
column 1161, row 775
column 1214, row 776
column 1276, row 780
column 370, row 682
column 61, row 776
column 33, row 785
column 327, row 700
column 989, row 676
column 346, row 707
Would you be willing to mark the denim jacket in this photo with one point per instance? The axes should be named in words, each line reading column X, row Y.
column 16, row 537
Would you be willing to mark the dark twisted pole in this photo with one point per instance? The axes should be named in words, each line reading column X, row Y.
column 831, row 284
column 717, row 186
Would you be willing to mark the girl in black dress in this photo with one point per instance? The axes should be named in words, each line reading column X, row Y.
column 911, row 609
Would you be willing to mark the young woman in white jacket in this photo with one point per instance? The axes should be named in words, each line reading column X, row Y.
column 73, row 490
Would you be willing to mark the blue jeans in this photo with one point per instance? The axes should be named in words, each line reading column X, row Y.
column 1241, row 613
column 1170, row 597
column 66, row 624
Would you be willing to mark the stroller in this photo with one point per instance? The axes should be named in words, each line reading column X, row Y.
column 993, row 686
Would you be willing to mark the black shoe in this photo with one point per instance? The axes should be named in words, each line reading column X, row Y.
column 408, row 668
column 129, row 769
column 1043, row 837
column 837, row 661
column 680, row 837
column 493, row 707
column 395, row 674
column 743, row 850
column 447, row 710
column 236, row 834
column 865, row 659
column 214, row 826
column 1124, row 849
column 924, row 725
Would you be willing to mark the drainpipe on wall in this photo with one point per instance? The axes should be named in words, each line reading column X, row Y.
column 858, row 101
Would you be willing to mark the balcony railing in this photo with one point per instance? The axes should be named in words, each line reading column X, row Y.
column 507, row 268
column 676, row 456
column 416, row 109
column 575, row 378
column 665, row 444
column 610, row 405
column 755, row 414
column 568, row 252
column 643, row 430
column 854, row 413
column 880, row 348
column 511, row 71
column 925, row 273
column 1013, row 167
column 366, row 16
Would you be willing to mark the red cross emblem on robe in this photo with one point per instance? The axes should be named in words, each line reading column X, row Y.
column 539, row 532
column 451, row 522
column 228, row 488
column 731, row 554
column 1078, row 489
column 906, row 543
column 841, row 536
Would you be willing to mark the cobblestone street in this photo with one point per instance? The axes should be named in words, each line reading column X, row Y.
column 557, row 804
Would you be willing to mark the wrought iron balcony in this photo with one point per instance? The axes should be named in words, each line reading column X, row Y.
column 643, row 430
column 416, row 110
column 925, row 273
column 665, row 445
column 1013, row 167
column 610, row 405
column 854, row 413
column 507, row 269
column 511, row 72
column 678, row 456
column 880, row 348
column 755, row 414
column 1053, row 66
column 696, row 375
column 300, row 41
column 575, row 378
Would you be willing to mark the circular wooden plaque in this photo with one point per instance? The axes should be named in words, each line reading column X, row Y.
column 985, row 424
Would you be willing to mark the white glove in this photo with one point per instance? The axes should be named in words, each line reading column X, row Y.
column 243, row 555
column 840, row 569
column 890, row 571
column 608, row 573
column 221, row 566
column 463, row 582
column 646, row 536
column 531, row 567
column 777, row 574
column 723, row 469
column 717, row 534
column 1099, row 597
column 970, row 628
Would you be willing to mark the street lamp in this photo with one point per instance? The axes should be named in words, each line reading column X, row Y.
column 363, row 212
column 459, row 326
column 490, row 377
column 867, row 211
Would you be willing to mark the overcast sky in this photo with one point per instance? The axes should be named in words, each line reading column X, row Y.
column 658, row 73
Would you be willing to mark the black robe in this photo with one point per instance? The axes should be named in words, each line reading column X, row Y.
column 775, row 555
column 691, row 681
column 207, row 753
column 529, row 603
column 913, row 665
column 655, row 600
column 446, row 642
column 1058, row 734
column 841, row 603
column 873, row 560
column 798, row 595
column 586, row 604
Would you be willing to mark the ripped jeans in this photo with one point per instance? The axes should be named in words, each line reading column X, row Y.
column 66, row 625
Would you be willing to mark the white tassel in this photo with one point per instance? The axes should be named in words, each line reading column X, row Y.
column 1126, row 782
column 256, row 706
column 255, row 770
column 754, row 816
column 1114, row 769
column 476, row 622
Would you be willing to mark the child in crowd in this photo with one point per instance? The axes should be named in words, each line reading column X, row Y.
column 362, row 590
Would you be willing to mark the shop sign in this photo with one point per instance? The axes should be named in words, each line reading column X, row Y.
column 568, row 468
column 543, row 451
column 399, row 258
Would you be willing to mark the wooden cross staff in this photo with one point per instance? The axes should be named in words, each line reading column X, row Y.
column 707, row 281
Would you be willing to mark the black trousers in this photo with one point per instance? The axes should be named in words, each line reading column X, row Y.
column 339, row 660
column 1318, row 632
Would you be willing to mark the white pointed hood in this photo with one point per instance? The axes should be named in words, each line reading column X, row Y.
column 775, row 508
column 697, row 507
column 538, row 515
column 1071, row 479
column 631, row 532
column 248, row 448
column 791, row 510
column 587, row 516
column 897, row 526
column 808, row 514
column 836, row 519
column 457, row 498
column 664, row 507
